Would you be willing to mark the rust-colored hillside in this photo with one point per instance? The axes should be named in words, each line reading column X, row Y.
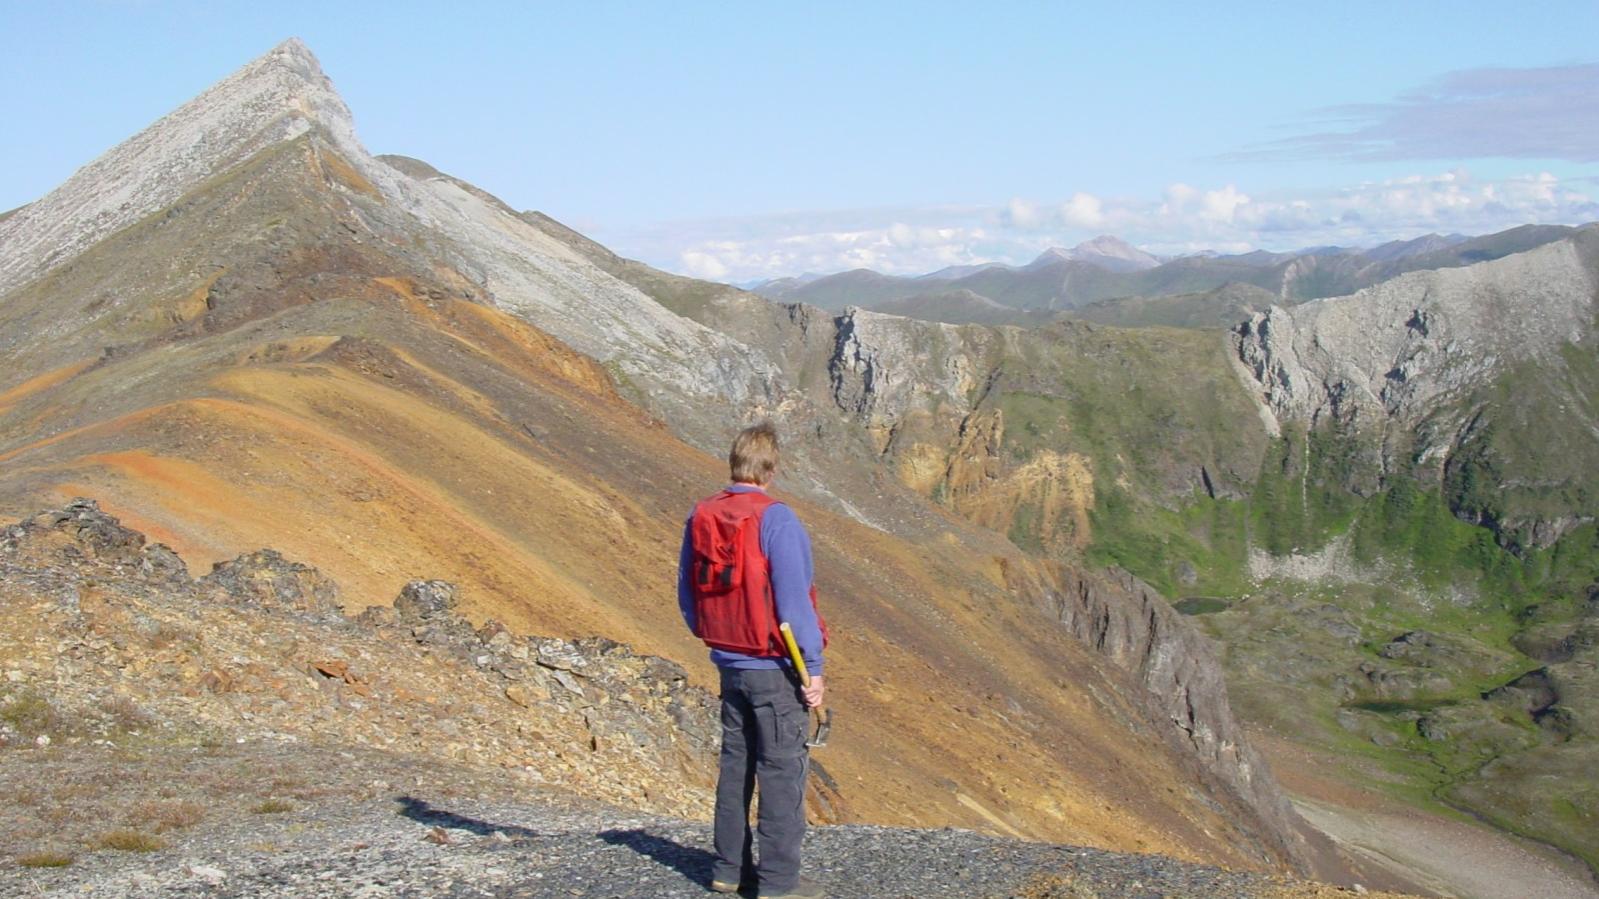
column 303, row 350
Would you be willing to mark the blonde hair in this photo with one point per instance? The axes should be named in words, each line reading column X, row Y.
column 753, row 459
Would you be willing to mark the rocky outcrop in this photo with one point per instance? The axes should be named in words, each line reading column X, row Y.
column 1396, row 350
column 1129, row 623
column 120, row 636
column 1534, row 692
column 884, row 366
column 589, row 713
column 267, row 580
column 54, row 548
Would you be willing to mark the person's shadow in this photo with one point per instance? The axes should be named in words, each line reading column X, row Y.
column 694, row 864
column 420, row 811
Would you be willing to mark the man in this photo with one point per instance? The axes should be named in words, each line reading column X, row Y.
column 745, row 568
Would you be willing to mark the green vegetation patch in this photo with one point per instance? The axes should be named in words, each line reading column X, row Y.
column 1299, row 501
column 1394, row 706
column 1034, row 422
column 31, row 715
column 1205, row 537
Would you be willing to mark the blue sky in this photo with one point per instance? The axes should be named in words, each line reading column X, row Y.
column 745, row 140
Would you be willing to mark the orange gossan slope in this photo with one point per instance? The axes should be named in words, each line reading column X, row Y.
column 278, row 359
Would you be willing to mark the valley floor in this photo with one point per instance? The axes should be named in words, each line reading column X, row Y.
column 1396, row 844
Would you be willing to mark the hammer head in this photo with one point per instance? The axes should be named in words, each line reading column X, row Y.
column 824, row 726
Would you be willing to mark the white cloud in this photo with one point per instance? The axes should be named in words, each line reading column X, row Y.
column 1184, row 219
column 702, row 264
column 1082, row 211
column 1178, row 196
column 1222, row 205
column 1021, row 213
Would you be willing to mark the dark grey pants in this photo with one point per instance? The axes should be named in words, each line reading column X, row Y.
column 764, row 725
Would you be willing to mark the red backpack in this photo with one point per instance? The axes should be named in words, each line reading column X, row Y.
column 733, row 604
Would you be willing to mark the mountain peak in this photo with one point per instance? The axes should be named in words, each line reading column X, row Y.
column 291, row 61
column 1109, row 245
column 295, row 47
column 277, row 97
column 1104, row 251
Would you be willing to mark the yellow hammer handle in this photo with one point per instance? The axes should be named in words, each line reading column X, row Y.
column 794, row 653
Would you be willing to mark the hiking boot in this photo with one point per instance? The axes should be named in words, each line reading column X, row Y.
column 745, row 884
column 805, row 889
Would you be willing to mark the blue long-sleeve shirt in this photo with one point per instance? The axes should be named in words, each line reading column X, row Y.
column 788, row 555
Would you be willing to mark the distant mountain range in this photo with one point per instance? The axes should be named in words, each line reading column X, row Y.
column 1108, row 280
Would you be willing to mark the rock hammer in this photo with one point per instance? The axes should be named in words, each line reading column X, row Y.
column 824, row 717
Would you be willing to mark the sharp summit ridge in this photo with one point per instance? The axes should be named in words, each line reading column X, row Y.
column 279, row 96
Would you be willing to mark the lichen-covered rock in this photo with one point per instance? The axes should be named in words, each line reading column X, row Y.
column 264, row 578
column 1409, row 645
column 89, row 540
column 421, row 601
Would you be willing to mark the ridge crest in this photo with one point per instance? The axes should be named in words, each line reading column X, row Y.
column 276, row 97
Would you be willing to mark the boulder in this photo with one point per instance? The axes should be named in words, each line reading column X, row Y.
column 264, row 578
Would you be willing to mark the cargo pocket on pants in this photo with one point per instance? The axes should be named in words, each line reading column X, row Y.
column 793, row 729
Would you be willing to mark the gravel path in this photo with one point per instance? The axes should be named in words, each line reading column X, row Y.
column 412, row 847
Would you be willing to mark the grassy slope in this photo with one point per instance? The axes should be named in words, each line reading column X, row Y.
column 1220, row 308
column 1292, row 664
column 1148, row 407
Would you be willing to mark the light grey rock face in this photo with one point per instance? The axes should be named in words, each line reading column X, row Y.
column 885, row 366
column 275, row 98
column 1397, row 350
column 535, row 277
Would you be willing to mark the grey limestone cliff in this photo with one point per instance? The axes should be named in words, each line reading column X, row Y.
column 885, row 366
column 1397, row 349
column 1443, row 375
